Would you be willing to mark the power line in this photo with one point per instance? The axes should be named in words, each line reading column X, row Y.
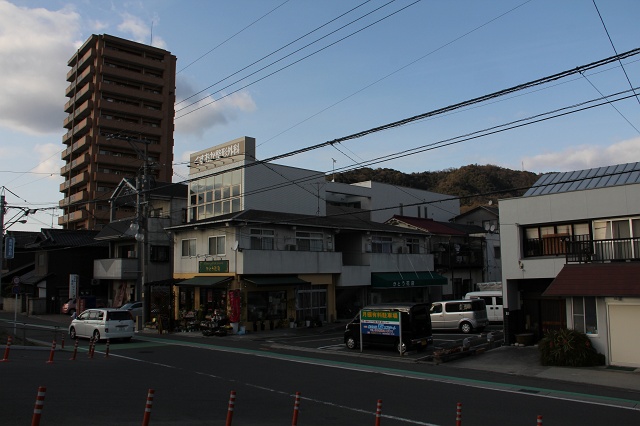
column 274, row 52
column 287, row 66
column 229, row 38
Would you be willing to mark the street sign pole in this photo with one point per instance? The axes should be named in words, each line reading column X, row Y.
column 16, row 290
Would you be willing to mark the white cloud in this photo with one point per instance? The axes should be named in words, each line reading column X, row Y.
column 49, row 161
column 140, row 30
column 194, row 121
column 585, row 157
column 34, row 47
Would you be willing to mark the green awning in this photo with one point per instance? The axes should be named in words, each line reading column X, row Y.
column 406, row 279
column 205, row 281
column 264, row 280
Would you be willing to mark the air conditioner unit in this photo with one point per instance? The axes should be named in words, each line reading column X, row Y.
column 290, row 247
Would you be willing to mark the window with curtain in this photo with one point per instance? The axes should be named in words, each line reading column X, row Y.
column 309, row 241
column 585, row 317
column 262, row 239
column 217, row 245
column 189, row 247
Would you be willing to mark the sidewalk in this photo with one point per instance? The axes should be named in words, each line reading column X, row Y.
column 522, row 361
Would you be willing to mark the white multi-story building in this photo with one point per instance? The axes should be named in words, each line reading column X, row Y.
column 274, row 242
column 570, row 258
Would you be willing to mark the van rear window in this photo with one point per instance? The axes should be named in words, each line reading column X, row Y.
column 118, row 316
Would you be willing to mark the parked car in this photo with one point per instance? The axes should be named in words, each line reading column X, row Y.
column 105, row 323
column 69, row 307
column 493, row 302
column 465, row 315
column 134, row 307
column 414, row 322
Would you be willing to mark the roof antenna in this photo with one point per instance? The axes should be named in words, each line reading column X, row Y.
column 333, row 179
column 151, row 41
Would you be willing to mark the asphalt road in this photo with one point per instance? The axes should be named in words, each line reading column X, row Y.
column 193, row 378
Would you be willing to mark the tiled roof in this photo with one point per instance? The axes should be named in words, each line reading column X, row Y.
column 51, row 237
column 597, row 279
column 437, row 228
column 600, row 177
column 343, row 222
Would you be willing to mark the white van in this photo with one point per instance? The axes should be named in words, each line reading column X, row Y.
column 493, row 302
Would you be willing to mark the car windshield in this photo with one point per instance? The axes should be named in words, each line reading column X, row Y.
column 126, row 306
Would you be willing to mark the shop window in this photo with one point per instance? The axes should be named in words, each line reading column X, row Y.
column 189, row 247
column 585, row 318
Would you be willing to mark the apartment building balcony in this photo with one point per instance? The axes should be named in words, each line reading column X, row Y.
column 601, row 251
column 139, row 111
column 126, row 146
column 77, row 180
column 73, row 199
column 133, row 59
column 80, row 162
column 111, row 178
column 79, row 66
column 83, row 78
column 129, row 92
column 79, row 130
column 84, row 94
column 129, row 75
column 116, row 269
column 77, row 216
column 81, row 112
column 128, row 127
column 289, row 262
column 131, row 161
column 78, row 146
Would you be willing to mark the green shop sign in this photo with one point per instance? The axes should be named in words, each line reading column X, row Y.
column 213, row 266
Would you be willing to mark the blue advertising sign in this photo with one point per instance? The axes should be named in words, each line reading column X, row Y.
column 9, row 247
column 382, row 323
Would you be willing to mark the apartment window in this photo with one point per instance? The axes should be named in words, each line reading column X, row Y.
column 381, row 244
column 262, row 239
column 309, row 241
column 217, row 245
column 159, row 254
column 497, row 253
column 585, row 318
column 189, row 247
column 413, row 245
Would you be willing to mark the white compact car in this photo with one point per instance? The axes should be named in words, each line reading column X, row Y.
column 106, row 323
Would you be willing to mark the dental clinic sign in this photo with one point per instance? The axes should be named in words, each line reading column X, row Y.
column 383, row 323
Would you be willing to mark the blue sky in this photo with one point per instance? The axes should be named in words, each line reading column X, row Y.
column 404, row 59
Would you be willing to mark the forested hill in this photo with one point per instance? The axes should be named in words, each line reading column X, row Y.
column 477, row 184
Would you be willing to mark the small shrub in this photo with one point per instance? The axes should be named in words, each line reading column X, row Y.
column 569, row 348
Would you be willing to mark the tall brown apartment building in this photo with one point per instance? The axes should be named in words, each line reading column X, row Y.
column 121, row 109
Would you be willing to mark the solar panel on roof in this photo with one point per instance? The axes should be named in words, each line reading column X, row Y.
column 598, row 177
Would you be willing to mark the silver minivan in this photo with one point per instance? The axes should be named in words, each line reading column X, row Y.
column 464, row 315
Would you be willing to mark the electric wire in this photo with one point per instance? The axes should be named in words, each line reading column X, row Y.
column 291, row 64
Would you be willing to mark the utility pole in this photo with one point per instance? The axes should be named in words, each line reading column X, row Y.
column 2, row 232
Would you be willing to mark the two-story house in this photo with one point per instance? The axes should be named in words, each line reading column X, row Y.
column 570, row 258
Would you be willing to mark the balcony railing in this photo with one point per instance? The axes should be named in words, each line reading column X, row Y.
column 583, row 249
column 619, row 249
